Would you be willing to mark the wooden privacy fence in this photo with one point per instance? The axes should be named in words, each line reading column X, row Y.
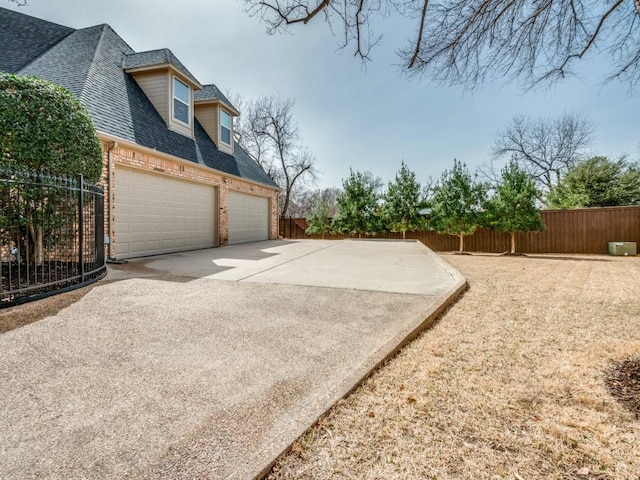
column 586, row 230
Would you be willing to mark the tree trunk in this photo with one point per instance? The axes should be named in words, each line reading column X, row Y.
column 285, row 206
column 513, row 243
column 36, row 245
column 404, row 234
column 461, row 250
column 19, row 243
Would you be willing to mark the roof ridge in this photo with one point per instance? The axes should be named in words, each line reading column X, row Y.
column 210, row 91
column 92, row 66
column 73, row 30
column 17, row 12
column 150, row 51
column 158, row 57
column 117, row 35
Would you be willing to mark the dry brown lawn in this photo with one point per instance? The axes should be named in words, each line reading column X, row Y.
column 510, row 383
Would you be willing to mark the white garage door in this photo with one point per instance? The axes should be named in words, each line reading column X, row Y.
column 156, row 214
column 248, row 218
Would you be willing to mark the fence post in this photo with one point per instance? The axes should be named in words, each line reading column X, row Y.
column 98, row 212
column 81, row 225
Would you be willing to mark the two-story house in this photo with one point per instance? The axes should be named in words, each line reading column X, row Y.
column 174, row 178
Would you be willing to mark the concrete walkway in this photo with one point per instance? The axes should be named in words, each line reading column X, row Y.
column 208, row 364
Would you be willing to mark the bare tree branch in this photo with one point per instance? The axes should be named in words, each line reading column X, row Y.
column 489, row 173
column 467, row 42
column 304, row 200
column 590, row 41
column 289, row 16
column 416, row 50
column 546, row 148
column 268, row 131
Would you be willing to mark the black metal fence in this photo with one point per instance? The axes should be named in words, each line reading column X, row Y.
column 51, row 235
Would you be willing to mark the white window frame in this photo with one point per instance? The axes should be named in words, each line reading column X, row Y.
column 174, row 98
column 223, row 126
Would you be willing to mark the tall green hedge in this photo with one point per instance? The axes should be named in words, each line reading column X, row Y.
column 44, row 128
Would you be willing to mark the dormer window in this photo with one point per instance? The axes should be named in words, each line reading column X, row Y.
column 225, row 127
column 168, row 85
column 215, row 113
column 181, row 101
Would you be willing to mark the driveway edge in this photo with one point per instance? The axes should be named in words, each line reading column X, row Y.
column 384, row 353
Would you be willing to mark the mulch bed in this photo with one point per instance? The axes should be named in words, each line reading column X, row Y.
column 623, row 381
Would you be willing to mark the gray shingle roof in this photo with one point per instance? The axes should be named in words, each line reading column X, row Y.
column 23, row 38
column 211, row 92
column 69, row 62
column 156, row 57
column 248, row 167
column 89, row 62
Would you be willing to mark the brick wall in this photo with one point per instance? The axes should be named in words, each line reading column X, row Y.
column 131, row 157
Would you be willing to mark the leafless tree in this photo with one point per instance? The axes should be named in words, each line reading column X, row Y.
column 267, row 130
column 305, row 200
column 469, row 41
column 247, row 132
column 546, row 148
column 490, row 173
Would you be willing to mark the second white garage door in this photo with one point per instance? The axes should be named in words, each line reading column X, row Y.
column 248, row 218
column 158, row 214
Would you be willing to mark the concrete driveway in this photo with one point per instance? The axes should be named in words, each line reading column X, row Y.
column 208, row 364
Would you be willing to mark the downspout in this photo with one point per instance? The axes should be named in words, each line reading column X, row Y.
column 278, row 215
column 110, row 186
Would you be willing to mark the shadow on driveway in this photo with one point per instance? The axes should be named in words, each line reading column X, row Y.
column 215, row 377
column 186, row 266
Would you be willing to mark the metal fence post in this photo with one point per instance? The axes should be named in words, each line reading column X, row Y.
column 98, row 213
column 81, row 225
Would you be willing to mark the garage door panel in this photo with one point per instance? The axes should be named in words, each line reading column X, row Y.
column 154, row 196
column 138, row 246
column 157, row 214
column 137, row 226
column 248, row 218
column 136, row 195
column 153, row 211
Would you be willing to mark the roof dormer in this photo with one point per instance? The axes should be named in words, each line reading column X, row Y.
column 215, row 113
column 168, row 84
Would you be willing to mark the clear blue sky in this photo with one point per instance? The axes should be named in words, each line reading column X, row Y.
column 367, row 118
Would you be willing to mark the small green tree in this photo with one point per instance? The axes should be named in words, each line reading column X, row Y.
column 455, row 203
column 318, row 221
column 598, row 182
column 43, row 130
column 512, row 208
column 403, row 202
column 358, row 209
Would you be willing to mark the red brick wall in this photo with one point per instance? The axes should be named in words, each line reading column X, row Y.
column 131, row 157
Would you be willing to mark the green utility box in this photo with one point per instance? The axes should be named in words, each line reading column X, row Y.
column 623, row 248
